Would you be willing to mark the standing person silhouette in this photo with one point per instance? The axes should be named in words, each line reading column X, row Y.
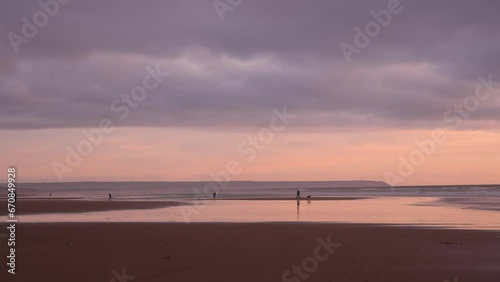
column 298, row 194
column 110, row 197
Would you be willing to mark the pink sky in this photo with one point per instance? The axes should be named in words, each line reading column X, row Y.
column 185, row 86
column 154, row 154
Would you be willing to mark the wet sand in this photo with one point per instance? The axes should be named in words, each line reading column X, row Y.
column 240, row 251
column 61, row 252
column 322, row 198
column 38, row 206
column 413, row 211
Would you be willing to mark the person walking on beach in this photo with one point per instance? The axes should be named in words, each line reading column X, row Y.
column 214, row 194
column 298, row 194
column 110, row 197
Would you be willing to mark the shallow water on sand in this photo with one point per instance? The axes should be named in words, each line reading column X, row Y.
column 190, row 190
column 425, row 211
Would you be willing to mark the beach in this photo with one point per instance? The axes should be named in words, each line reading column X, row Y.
column 50, row 206
column 236, row 251
column 249, row 141
column 251, row 252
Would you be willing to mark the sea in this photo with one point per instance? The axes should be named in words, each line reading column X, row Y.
column 447, row 206
column 243, row 189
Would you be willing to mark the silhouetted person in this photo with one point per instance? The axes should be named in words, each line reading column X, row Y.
column 51, row 195
column 110, row 197
column 298, row 194
column 214, row 194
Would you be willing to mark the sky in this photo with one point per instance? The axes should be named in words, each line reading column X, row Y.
column 406, row 92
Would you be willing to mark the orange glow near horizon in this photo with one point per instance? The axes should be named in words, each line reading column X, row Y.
column 158, row 154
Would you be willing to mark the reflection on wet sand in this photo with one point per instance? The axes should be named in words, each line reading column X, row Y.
column 425, row 211
column 298, row 209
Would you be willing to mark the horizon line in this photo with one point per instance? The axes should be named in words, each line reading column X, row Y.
column 256, row 181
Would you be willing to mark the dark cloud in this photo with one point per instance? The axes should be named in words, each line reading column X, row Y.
column 264, row 54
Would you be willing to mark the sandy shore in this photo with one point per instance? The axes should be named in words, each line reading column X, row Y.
column 250, row 252
column 47, row 205
column 304, row 198
column 240, row 251
column 30, row 206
